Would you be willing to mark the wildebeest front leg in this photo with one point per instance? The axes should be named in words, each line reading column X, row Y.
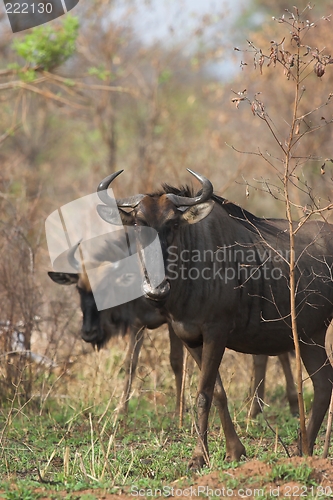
column 204, row 401
column 176, row 361
column 130, row 363
column 208, row 358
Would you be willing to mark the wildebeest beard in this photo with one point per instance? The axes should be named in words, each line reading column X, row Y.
column 98, row 327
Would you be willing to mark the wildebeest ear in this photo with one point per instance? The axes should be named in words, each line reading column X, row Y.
column 64, row 278
column 111, row 215
column 196, row 213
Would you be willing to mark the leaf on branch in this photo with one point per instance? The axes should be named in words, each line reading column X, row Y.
column 291, row 60
column 261, row 63
column 319, row 69
column 237, row 100
column 47, row 47
column 295, row 37
column 282, row 57
column 254, row 107
column 273, row 56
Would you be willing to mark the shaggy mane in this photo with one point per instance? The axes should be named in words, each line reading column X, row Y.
column 242, row 216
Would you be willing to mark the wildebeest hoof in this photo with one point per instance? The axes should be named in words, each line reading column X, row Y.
column 196, row 463
column 235, row 455
column 294, row 410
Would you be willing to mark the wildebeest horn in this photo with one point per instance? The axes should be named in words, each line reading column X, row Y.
column 207, row 191
column 71, row 257
column 132, row 201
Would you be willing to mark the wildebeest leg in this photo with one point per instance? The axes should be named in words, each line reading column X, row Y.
column 321, row 372
column 204, row 402
column 234, row 447
column 130, row 364
column 208, row 357
column 176, row 361
column 258, row 386
column 290, row 383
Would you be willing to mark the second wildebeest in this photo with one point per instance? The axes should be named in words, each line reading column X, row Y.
column 130, row 319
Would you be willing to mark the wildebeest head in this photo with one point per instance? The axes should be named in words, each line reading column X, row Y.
column 165, row 211
column 99, row 326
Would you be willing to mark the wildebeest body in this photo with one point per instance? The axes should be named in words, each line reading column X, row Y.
column 258, row 305
column 246, row 313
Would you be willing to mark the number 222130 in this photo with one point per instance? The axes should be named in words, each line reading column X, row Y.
column 25, row 8
column 304, row 491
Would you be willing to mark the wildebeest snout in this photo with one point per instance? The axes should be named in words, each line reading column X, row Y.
column 90, row 330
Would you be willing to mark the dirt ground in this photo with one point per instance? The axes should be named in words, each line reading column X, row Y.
column 252, row 479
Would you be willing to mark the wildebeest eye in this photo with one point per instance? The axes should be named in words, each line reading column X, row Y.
column 126, row 279
column 140, row 221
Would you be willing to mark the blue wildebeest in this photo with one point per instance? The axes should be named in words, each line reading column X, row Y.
column 98, row 327
column 227, row 285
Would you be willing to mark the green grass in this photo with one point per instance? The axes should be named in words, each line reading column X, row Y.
column 75, row 448
column 301, row 473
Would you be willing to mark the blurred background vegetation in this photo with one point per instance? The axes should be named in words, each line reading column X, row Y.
column 88, row 94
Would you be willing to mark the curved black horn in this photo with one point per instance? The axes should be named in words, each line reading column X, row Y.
column 73, row 262
column 132, row 201
column 207, row 191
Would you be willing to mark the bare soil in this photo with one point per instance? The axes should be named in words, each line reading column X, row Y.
column 252, row 480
